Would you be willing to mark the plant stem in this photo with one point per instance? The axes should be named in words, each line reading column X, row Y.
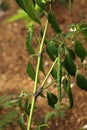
column 36, row 78
column 49, row 72
column 42, row 85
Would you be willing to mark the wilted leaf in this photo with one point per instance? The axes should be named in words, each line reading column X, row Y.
column 52, row 20
column 80, row 50
column 30, row 71
column 81, row 81
column 52, row 99
column 29, row 43
column 67, row 88
column 27, row 106
column 21, row 122
column 51, row 50
column 69, row 65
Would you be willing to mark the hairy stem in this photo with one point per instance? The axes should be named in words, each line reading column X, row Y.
column 36, row 79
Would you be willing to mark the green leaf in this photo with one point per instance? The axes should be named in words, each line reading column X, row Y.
column 63, row 1
column 71, row 53
column 40, row 3
column 52, row 99
column 29, row 43
column 69, row 65
column 21, row 14
column 31, row 12
column 80, row 50
column 10, row 103
column 61, row 113
column 26, row 5
column 21, row 122
column 54, row 73
column 67, row 88
column 30, row 71
column 8, row 118
column 7, row 101
column 68, row 35
column 81, row 81
column 52, row 20
column 83, row 29
column 4, row 98
column 41, row 66
column 21, row 4
column 27, row 106
column 51, row 50
column 50, row 115
column 42, row 126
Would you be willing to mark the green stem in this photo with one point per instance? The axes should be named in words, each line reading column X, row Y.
column 36, row 79
column 70, row 6
column 49, row 72
column 50, row 84
column 46, row 77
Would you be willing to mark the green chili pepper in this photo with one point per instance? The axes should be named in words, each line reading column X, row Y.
column 59, row 75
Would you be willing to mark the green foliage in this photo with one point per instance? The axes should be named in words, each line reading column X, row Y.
column 54, row 24
column 54, row 73
column 41, row 4
column 63, row 51
column 81, row 81
column 21, row 14
column 27, row 106
column 26, row 5
column 69, row 65
column 49, row 116
column 83, row 29
column 51, row 50
column 80, row 50
column 67, row 88
column 63, row 1
column 21, row 122
column 30, row 71
column 8, row 118
column 29, row 43
column 52, row 99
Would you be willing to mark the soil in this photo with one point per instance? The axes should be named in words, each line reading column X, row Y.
column 14, row 58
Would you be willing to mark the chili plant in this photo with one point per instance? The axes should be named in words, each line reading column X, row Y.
column 63, row 50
